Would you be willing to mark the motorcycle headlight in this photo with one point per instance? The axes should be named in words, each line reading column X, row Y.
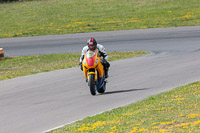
column 96, row 61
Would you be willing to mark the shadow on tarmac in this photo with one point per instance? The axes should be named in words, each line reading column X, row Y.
column 122, row 91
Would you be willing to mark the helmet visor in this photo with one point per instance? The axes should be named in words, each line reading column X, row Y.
column 92, row 47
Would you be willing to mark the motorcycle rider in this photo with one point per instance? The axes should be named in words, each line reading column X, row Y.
column 92, row 45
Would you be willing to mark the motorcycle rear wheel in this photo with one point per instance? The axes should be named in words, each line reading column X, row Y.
column 102, row 89
column 92, row 84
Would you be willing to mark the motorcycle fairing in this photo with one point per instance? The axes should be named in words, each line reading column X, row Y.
column 90, row 58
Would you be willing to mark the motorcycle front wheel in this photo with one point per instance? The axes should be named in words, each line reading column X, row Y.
column 92, row 84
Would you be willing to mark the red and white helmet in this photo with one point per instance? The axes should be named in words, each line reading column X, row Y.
column 92, row 44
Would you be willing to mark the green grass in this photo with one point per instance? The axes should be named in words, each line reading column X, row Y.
column 176, row 111
column 45, row 17
column 13, row 67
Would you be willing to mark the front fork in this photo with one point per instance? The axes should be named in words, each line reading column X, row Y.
column 89, row 73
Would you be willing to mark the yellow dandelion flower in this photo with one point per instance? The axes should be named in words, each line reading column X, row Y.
column 111, row 122
column 169, row 11
column 51, row 24
column 162, row 130
column 196, row 122
column 196, row 85
column 111, row 22
column 155, row 123
column 133, row 130
column 99, row 123
column 114, row 128
column 142, row 130
column 178, row 99
column 133, row 21
column 181, row 115
column 144, row 27
column 69, row 25
column 41, row 28
column 79, row 22
column 186, row 16
column 83, row 129
column 184, row 124
column 193, row 115
column 154, row 127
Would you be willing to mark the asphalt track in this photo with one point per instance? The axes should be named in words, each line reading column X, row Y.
column 40, row 102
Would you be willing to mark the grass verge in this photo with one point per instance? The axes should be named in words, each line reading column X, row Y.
column 13, row 67
column 175, row 111
column 50, row 17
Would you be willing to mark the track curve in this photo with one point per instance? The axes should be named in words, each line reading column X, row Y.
column 43, row 101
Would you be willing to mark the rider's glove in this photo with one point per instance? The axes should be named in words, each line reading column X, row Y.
column 81, row 66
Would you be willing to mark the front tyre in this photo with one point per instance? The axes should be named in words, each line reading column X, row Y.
column 92, row 84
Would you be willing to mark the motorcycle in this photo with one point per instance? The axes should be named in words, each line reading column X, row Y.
column 94, row 72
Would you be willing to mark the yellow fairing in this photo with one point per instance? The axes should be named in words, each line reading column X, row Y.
column 97, row 66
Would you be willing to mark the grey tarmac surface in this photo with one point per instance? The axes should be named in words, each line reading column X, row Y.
column 44, row 101
column 156, row 40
